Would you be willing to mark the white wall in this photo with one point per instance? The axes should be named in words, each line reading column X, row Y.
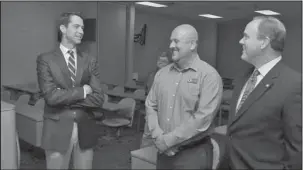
column 112, row 42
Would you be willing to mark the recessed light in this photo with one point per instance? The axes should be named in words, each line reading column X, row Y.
column 210, row 16
column 268, row 12
column 146, row 3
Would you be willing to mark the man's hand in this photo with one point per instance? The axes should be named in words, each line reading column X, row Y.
column 160, row 144
column 163, row 148
column 87, row 89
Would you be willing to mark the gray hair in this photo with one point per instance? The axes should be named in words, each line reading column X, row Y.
column 273, row 29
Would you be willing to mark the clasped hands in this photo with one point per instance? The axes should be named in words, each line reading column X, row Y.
column 162, row 147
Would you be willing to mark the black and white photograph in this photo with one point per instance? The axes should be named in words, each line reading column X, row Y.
column 151, row 85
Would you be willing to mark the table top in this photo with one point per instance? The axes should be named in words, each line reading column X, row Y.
column 30, row 87
column 127, row 86
column 128, row 95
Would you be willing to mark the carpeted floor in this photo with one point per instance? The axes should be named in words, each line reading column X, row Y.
column 110, row 153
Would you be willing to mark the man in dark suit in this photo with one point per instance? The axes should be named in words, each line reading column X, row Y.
column 265, row 127
column 70, row 84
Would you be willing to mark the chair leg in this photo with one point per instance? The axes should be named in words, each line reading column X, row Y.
column 220, row 117
column 118, row 133
column 139, row 121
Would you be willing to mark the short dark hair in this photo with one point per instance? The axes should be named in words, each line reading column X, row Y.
column 65, row 20
column 272, row 28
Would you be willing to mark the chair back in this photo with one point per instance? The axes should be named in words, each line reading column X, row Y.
column 219, row 149
column 131, row 83
column 140, row 92
column 23, row 99
column 40, row 103
column 227, row 95
column 118, row 89
column 128, row 109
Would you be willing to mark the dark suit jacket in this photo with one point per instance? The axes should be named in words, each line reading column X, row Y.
column 266, row 133
column 63, row 100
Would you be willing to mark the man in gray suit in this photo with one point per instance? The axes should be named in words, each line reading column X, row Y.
column 69, row 82
column 265, row 128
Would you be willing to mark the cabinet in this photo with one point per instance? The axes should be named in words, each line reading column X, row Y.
column 9, row 144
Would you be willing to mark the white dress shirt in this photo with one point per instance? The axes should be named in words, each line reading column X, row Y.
column 67, row 55
column 263, row 70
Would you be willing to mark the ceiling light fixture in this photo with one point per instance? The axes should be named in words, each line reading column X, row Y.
column 267, row 12
column 146, row 3
column 210, row 16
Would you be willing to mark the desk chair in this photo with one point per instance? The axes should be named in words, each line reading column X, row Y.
column 118, row 89
column 124, row 117
column 225, row 104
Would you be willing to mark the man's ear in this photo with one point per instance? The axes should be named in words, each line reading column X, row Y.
column 265, row 43
column 63, row 29
column 193, row 45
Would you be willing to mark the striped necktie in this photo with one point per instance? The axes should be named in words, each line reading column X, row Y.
column 249, row 88
column 72, row 66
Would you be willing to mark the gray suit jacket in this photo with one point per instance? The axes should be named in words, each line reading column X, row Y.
column 266, row 133
column 63, row 100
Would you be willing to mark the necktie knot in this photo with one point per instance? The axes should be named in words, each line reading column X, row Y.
column 71, row 53
column 256, row 73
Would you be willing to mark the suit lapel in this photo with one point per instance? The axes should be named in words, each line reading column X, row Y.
column 60, row 61
column 237, row 91
column 266, row 84
column 80, row 64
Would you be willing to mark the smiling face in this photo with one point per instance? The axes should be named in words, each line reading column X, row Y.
column 73, row 33
column 179, row 46
column 252, row 46
column 183, row 42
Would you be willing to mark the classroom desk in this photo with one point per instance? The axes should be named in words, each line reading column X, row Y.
column 31, row 89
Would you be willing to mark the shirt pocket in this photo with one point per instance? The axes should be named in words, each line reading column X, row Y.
column 193, row 88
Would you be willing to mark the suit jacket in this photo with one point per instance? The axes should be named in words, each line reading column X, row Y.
column 63, row 101
column 267, row 130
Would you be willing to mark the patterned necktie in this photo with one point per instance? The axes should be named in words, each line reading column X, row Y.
column 249, row 88
column 72, row 66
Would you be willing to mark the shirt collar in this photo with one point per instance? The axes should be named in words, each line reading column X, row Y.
column 193, row 64
column 268, row 66
column 65, row 50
